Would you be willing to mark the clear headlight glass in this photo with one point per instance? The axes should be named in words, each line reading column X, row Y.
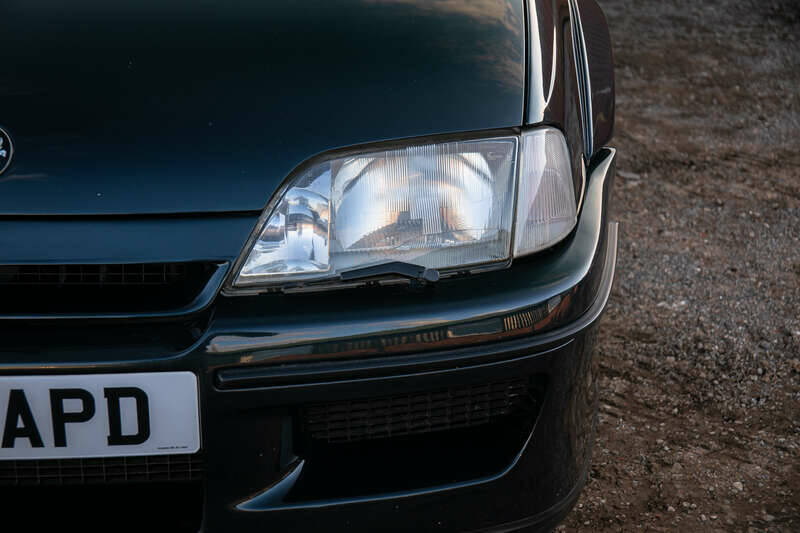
column 295, row 238
column 439, row 206
column 546, row 206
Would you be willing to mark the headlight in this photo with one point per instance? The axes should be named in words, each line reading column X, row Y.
column 546, row 206
column 444, row 206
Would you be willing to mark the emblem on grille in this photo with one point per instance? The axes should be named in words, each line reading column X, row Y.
column 6, row 150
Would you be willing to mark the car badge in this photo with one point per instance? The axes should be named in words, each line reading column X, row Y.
column 6, row 150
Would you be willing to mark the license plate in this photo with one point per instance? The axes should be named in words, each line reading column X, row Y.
column 98, row 415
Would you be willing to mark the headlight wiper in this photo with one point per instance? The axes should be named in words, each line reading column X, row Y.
column 393, row 269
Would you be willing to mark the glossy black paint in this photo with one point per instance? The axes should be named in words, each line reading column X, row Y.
column 601, row 70
column 180, row 106
column 552, row 97
column 74, row 240
column 191, row 114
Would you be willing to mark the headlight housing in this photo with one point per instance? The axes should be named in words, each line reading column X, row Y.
column 446, row 206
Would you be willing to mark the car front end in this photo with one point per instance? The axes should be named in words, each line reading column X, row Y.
column 268, row 267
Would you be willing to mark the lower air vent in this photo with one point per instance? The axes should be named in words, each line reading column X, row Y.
column 394, row 416
column 106, row 470
column 414, row 441
column 44, row 290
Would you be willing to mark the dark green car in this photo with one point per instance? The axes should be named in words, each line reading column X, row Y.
column 297, row 266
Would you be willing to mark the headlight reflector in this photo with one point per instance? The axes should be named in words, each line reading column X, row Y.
column 294, row 240
column 438, row 206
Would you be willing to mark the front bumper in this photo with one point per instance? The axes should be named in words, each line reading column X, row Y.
column 258, row 364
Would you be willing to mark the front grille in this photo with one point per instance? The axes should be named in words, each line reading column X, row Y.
column 453, row 408
column 99, row 289
column 101, row 470
column 92, row 275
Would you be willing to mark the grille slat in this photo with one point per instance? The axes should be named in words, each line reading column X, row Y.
column 457, row 407
column 43, row 290
column 93, row 275
column 101, row 470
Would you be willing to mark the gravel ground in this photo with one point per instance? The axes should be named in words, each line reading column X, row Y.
column 699, row 425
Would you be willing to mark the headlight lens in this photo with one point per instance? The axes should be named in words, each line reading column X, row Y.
column 440, row 206
column 294, row 241
column 546, row 206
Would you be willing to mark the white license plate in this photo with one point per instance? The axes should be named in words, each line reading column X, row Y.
column 98, row 415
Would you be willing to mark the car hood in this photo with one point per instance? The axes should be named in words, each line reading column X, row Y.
column 187, row 106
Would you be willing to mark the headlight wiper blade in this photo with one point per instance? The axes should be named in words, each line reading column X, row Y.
column 393, row 269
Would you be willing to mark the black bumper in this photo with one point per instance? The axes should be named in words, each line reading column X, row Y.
column 261, row 366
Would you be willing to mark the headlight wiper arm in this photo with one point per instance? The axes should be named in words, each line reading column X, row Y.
column 392, row 269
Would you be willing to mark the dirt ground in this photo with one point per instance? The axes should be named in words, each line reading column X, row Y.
column 699, row 425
